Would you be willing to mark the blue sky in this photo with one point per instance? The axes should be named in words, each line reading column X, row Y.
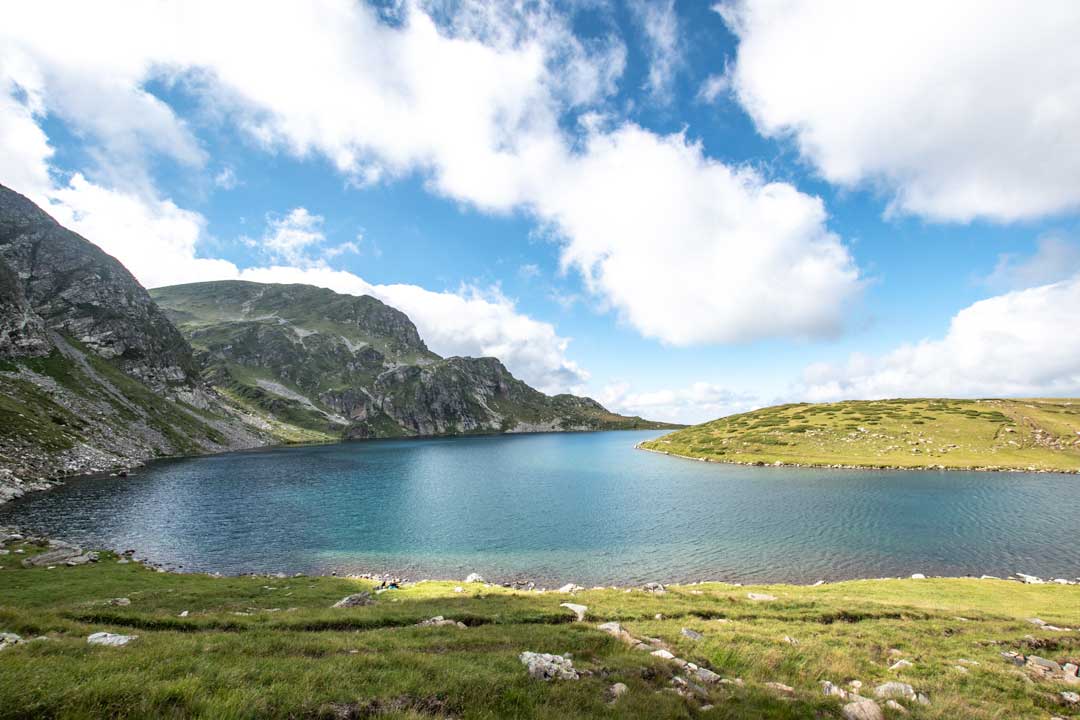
column 681, row 209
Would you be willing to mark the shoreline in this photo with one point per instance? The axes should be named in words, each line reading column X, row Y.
column 13, row 487
column 840, row 466
column 401, row 577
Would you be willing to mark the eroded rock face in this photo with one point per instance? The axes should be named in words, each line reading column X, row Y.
column 77, row 289
column 22, row 331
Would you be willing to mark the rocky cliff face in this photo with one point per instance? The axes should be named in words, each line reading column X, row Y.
column 93, row 376
column 354, row 367
column 78, row 290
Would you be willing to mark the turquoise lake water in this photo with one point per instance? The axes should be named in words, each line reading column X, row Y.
column 586, row 508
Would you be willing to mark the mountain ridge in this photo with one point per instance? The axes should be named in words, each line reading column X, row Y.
column 95, row 376
column 353, row 361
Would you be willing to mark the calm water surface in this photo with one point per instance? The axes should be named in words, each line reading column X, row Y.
column 586, row 508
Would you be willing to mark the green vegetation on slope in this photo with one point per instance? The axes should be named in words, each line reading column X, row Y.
column 259, row 647
column 1023, row 434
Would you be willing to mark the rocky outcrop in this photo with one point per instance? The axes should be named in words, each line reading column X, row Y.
column 77, row 289
column 22, row 331
column 353, row 367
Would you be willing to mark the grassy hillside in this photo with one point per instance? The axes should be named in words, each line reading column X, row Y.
column 984, row 434
column 260, row 647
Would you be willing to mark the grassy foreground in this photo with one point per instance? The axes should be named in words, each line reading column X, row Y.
column 255, row 647
column 937, row 433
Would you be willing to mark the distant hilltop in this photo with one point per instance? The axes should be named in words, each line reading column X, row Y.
column 1038, row 435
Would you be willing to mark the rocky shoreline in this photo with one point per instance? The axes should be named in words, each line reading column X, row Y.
column 841, row 466
column 64, row 553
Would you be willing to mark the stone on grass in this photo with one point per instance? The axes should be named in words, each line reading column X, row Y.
column 896, row 707
column 895, row 690
column 780, row 688
column 544, row 666
column 654, row 587
column 918, row 576
column 118, row 602
column 570, row 588
column 9, row 639
column 707, row 676
column 440, row 621
column 359, row 599
column 661, row 653
column 691, row 634
column 864, row 709
column 616, row 691
column 761, row 597
column 474, row 578
column 830, row 690
column 578, row 610
column 1070, row 697
column 104, row 638
column 60, row 554
column 901, row 664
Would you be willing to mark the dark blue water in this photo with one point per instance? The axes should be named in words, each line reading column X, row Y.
column 586, row 508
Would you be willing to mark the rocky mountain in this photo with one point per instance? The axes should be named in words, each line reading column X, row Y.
column 95, row 375
column 353, row 367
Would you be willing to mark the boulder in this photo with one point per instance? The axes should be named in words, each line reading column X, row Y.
column 118, row 602
column 51, row 557
column 780, row 688
column 8, row 640
column 616, row 691
column 440, row 621
column 104, row 638
column 474, row 578
column 662, row 653
column 918, row 576
column 901, row 664
column 707, row 676
column 691, row 634
column 896, row 707
column 544, row 666
column 578, row 610
column 830, row 690
column 1042, row 664
column 654, row 587
column 1070, row 697
column 570, row 588
column 359, row 599
column 895, row 690
column 862, row 710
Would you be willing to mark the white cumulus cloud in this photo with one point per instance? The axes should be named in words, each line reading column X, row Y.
column 1016, row 344
column 957, row 110
column 478, row 102
column 695, row 403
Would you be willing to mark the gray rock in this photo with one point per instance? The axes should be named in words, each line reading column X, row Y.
column 895, row 690
column 474, row 578
column 780, row 688
column 707, row 676
column 830, row 690
column 119, row 602
column 440, row 621
column 104, row 638
column 896, row 707
column 1070, row 697
column 864, row 709
column 654, row 587
column 544, row 666
column 9, row 639
column 616, row 691
column 901, row 664
column 570, row 588
column 691, row 634
column 1042, row 664
column 578, row 610
column 359, row 599
column 51, row 557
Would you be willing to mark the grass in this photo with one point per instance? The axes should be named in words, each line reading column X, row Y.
column 254, row 647
column 1030, row 434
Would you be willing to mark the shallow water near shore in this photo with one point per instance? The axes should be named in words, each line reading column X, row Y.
column 582, row 507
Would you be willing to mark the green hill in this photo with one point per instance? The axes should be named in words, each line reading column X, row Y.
column 1026, row 434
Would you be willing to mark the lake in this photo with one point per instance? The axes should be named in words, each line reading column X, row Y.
column 581, row 507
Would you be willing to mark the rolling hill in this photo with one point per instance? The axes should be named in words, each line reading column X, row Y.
column 1028, row 434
